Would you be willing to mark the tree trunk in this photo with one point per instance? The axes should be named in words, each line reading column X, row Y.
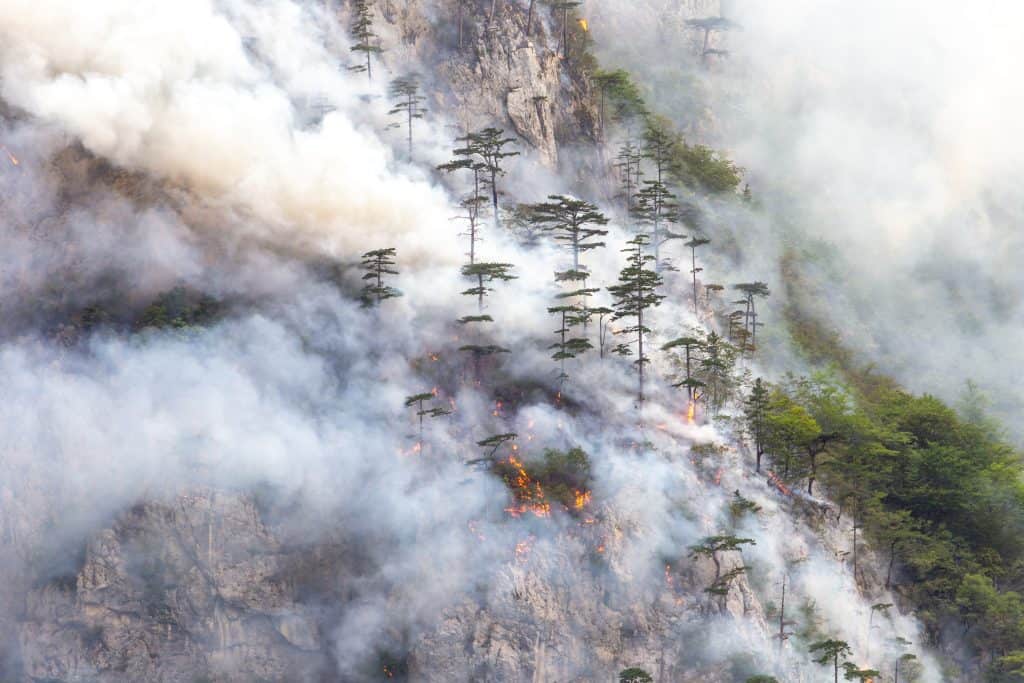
column 640, row 351
column 693, row 251
column 782, row 615
column 461, row 23
column 411, row 105
column 529, row 18
column 565, row 33
column 494, row 196
column 892, row 561
column 814, row 474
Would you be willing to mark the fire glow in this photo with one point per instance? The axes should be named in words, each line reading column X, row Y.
column 528, row 492
column 14, row 159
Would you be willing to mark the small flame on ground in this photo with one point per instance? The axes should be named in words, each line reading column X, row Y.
column 776, row 481
column 14, row 159
column 585, row 25
column 581, row 498
column 529, row 493
column 691, row 412
column 524, row 547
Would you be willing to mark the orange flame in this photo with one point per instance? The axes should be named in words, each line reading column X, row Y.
column 581, row 498
column 14, row 159
column 524, row 547
column 691, row 412
column 776, row 481
column 528, row 492
column 585, row 25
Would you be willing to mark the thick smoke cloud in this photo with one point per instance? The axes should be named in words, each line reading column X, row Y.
column 887, row 132
column 298, row 388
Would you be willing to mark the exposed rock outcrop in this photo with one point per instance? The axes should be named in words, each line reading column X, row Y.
column 187, row 591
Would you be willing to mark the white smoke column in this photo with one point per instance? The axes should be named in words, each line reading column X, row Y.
column 172, row 89
column 893, row 131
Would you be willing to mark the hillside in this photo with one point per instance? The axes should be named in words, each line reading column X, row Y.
column 446, row 340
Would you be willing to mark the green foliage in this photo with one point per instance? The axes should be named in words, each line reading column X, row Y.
column 694, row 166
column 939, row 495
column 852, row 672
column 178, row 309
column 563, row 476
column 636, row 293
column 492, row 443
column 620, row 98
column 828, row 652
column 408, row 102
column 377, row 265
column 573, row 223
column 740, row 506
column 363, row 36
column 711, row 545
column 762, row 679
column 635, row 675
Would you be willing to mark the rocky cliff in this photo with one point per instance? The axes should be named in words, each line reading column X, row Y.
column 216, row 583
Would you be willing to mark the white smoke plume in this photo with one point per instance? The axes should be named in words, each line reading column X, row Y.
column 297, row 388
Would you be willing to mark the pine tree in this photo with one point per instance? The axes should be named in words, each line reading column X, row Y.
column 564, row 6
column 603, row 314
column 377, row 264
column 366, row 41
column 636, row 293
column 708, row 25
column 656, row 208
column 829, row 651
column 709, row 291
column 660, row 146
column 694, row 244
column 567, row 347
column 572, row 223
column 473, row 203
column 627, row 163
column 635, row 675
column 755, row 410
column 783, row 635
column 617, row 86
column 715, row 370
column 711, row 546
column 491, row 445
column 750, row 290
column 484, row 153
column 483, row 274
column 418, row 402
column 690, row 346
column 405, row 92
column 852, row 672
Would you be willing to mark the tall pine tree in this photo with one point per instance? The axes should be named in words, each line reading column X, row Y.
column 634, row 296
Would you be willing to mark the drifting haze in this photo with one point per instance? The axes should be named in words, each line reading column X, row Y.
column 298, row 388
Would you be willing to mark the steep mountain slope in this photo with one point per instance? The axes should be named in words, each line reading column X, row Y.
column 215, row 467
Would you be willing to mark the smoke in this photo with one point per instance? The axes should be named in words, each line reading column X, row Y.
column 164, row 145
column 891, row 133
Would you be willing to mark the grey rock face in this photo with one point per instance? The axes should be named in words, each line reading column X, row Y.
column 187, row 591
